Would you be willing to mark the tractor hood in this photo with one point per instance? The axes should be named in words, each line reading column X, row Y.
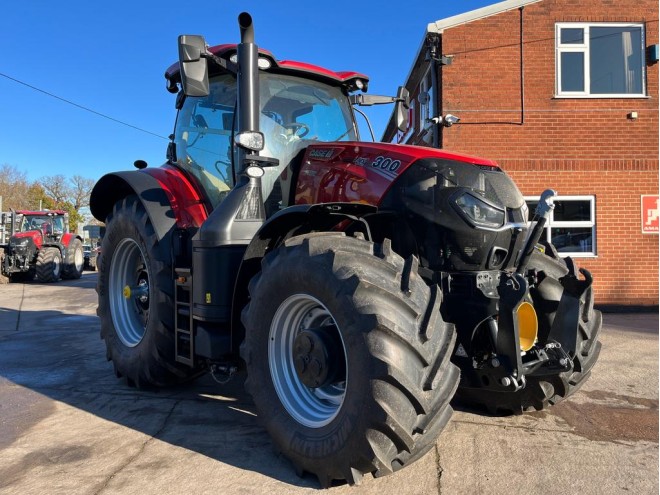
column 465, row 212
column 350, row 171
column 31, row 235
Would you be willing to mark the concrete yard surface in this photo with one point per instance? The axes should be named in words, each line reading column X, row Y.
column 68, row 426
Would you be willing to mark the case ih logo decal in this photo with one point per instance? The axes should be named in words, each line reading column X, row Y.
column 321, row 154
column 386, row 166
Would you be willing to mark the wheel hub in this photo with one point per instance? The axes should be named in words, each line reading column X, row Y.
column 318, row 357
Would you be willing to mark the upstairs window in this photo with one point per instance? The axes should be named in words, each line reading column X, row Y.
column 600, row 60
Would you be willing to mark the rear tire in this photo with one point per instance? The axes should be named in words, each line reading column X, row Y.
column 75, row 260
column 138, row 330
column 390, row 395
column 49, row 265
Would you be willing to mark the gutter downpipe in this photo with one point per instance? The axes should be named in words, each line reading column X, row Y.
column 436, row 82
column 522, row 70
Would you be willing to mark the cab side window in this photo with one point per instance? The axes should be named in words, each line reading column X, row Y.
column 203, row 138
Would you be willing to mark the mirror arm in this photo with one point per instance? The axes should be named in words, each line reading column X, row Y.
column 368, row 100
column 225, row 64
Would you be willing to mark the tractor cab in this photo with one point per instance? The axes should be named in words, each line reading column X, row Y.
column 290, row 105
column 294, row 113
column 50, row 225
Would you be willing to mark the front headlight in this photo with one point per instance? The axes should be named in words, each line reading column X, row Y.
column 478, row 212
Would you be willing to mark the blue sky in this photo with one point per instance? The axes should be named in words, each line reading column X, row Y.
column 111, row 57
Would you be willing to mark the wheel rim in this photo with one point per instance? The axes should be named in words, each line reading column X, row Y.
column 56, row 266
column 129, row 292
column 311, row 407
column 78, row 259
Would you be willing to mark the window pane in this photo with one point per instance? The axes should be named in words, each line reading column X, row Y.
column 572, row 71
column 572, row 210
column 203, row 137
column 616, row 60
column 572, row 36
column 573, row 240
column 531, row 206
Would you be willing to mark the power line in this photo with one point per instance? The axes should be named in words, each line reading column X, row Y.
column 81, row 107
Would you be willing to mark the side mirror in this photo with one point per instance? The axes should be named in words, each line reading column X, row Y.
column 401, row 108
column 193, row 66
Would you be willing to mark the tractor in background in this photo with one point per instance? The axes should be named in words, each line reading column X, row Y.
column 40, row 244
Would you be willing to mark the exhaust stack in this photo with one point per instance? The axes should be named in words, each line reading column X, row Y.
column 248, row 80
column 245, row 25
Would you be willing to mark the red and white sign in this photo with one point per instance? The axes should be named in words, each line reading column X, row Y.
column 650, row 214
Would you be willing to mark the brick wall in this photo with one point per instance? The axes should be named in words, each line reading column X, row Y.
column 576, row 146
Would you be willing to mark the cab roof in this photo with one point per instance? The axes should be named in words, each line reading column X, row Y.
column 32, row 213
column 291, row 67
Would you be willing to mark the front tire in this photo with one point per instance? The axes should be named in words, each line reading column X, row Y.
column 380, row 397
column 3, row 278
column 49, row 265
column 551, row 390
column 136, row 307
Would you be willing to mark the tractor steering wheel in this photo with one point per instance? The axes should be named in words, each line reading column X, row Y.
column 298, row 129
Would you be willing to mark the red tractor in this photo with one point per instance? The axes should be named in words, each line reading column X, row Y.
column 358, row 284
column 41, row 244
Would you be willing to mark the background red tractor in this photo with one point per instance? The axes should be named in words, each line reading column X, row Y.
column 351, row 280
column 40, row 244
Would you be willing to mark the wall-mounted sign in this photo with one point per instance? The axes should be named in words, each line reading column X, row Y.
column 649, row 213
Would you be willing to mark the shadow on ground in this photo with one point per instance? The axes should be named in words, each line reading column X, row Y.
column 59, row 356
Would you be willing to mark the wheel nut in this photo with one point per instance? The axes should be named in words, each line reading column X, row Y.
column 315, row 368
column 506, row 381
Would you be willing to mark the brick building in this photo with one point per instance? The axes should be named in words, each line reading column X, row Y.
column 563, row 94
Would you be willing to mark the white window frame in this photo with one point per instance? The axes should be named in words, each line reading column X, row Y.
column 551, row 223
column 584, row 49
column 425, row 108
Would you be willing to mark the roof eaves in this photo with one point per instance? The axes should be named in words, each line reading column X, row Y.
column 497, row 8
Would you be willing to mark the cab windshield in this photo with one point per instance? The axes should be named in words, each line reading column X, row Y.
column 47, row 224
column 294, row 112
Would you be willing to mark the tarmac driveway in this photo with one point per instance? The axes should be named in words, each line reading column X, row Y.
column 67, row 425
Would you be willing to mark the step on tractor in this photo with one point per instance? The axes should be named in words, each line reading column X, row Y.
column 361, row 286
column 40, row 244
